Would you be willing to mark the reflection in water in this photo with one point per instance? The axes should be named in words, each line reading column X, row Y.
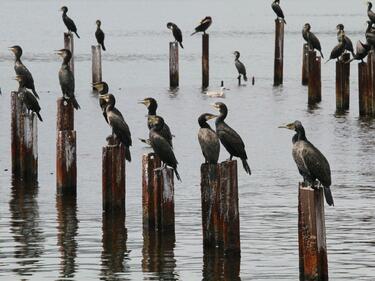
column 25, row 227
column 217, row 266
column 67, row 227
column 114, row 245
column 158, row 255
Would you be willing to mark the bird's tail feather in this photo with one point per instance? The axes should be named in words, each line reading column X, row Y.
column 245, row 77
column 246, row 166
column 75, row 103
column 103, row 46
column 284, row 21
column 321, row 54
column 177, row 175
column 147, row 141
column 35, row 93
column 127, row 154
column 349, row 61
column 77, row 34
column 39, row 117
column 328, row 196
column 327, row 60
column 181, row 45
column 193, row 33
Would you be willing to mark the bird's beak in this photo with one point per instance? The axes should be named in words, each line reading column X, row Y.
column 289, row 126
column 11, row 49
column 142, row 102
column 227, row 89
column 212, row 116
column 214, row 105
column 58, row 52
column 97, row 86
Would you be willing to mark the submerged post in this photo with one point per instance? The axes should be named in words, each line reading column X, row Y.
column 96, row 64
column 314, row 81
column 305, row 64
column 313, row 264
column 363, row 89
column 220, row 211
column 173, row 65
column 69, row 44
column 205, row 60
column 279, row 53
column 157, row 196
column 343, row 84
column 113, row 177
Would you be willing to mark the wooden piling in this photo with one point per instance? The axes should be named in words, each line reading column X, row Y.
column 96, row 63
column 371, row 84
column 65, row 115
column 173, row 65
column 305, row 64
column 205, row 60
column 220, row 212
column 343, row 83
column 363, row 89
column 16, row 110
column 313, row 264
column 314, row 80
column 69, row 44
column 113, row 177
column 157, row 195
column 279, row 53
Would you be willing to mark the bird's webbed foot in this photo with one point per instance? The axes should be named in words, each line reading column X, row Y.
column 160, row 169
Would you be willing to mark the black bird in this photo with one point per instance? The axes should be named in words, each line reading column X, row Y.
column 229, row 137
column 160, row 145
column 370, row 13
column 240, row 66
column 208, row 139
column 348, row 42
column 68, row 21
column 177, row 34
column 22, row 70
column 152, row 106
column 66, row 78
column 203, row 25
column 370, row 34
column 117, row 122
column 277, row 9
column 339, row 49
column 103, row 89
column 99, row 34
column 27, row 98
column 311, row 39
column 361, row 51
column 311, row 163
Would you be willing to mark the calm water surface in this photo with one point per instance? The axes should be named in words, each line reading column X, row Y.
column 42, row 238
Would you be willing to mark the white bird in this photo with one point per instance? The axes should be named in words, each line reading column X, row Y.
column 217, row 94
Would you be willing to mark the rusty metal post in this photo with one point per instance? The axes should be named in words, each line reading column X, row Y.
column 363, row 88
column 305, row 64
column 314, row 84
column 96, row 63
column 173, row 65
column 279, row 53
column 69, row 44
column 313, row 264
column 205, row 60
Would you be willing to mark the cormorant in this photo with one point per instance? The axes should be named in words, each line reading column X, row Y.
column 203, row 25
column 118, row 124
column 348, row 42
column 339, row 49
column 27, row 98
column 361, row 51
column 68, row 21
column 370, row 13
column 22, row 70
column 160, row 145
column 99, row 34
column 240, row 66
column 277, row 9
column 66, row 78
column 370, row 34
column 229, row 137
column 311, row 39
column 311, row 163
column 208, row 139
column 177, row 34
column 152, row 105
column 102, row 88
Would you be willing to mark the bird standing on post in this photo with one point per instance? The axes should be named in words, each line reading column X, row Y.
column 208, row 139
column 240, row 66
column 339, row 49
column 348, row 42
column 99, row 34
column 229, row 137
column 370, row 13
column 22, row 70
column 311, row 163
column 311, row 39
column 370, row 34
column 361, row 51
column 69, row 23
column 203, row 25
column 66, row 78
column 177, row 34
column 103, row 89
column 277, row 9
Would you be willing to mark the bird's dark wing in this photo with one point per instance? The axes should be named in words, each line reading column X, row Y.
column 231, row 140
column 177, row 34
column 166, row 133
column 99, row 34
column 70, row 24
column 240, row 67
column 162, row 148
column 66, row 78
column 31, row 101
column 120, row 127
column 314, row 41
column 349, row 44
column 210, row 144
column 277, row 9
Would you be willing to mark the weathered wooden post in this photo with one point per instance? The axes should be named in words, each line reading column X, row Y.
column 96, row 63
column 313, row 264
column 371, row 85
column 220, row 212
column 69, row 44
column 66, row 149
column 16, row 111
column 157, row 196
column 343, row 83
column 173, row 65
column 305, row 64
column 113, row 177
column 279, row 53
column 205, row 60
column 363, row 88
column 314, row 81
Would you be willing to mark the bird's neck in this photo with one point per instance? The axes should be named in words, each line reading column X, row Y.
column 204, row 124
column 17, row 58
column 152, row 110
column 369, row 8
column 299, row 136
column 222, row 116
column 66, row 61
column 64, row 14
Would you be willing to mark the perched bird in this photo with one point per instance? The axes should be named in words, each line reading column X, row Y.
column 311, row 39
column 103, row 89
column 240, row 66
column 160, row 145
column 311, row 163
column 361, row 51
column 176, row 32
column 152, row 106
column 99, row 34
column 217, row 94
column 69, row 23
column 22, row 70
column 370, row 34
column 66, row 78
column 348, row 42
column 338, row 50
column 370, row 13
column 229, row 137
column 27, row 98
column 117, row 122
column 277, row 9
column 203, row 25
column 208, row 139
